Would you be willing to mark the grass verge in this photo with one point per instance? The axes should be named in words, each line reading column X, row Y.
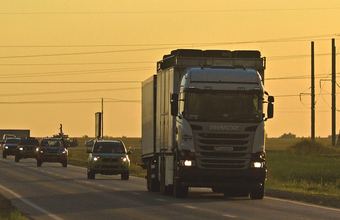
column 9, row 212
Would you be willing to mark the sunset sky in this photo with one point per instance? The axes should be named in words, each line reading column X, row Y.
column 59, row 58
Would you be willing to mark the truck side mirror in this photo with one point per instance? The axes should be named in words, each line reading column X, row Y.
column 270, row 98
column 270, row 110
column 174, row 104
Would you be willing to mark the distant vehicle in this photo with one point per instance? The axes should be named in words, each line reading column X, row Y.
column 5, row 136
column 89, row 143
column 108, row 158
column 52, row 150
column 9, row 148
column 26, row 148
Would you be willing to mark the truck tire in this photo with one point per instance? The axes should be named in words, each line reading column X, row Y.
column 16, row 158
column 257, row 194
column 179, row 190
column 4, row 155
column 91, row 175
column 39, row 162
column 125, row 176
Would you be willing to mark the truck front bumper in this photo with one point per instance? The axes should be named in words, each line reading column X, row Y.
column 233, row 179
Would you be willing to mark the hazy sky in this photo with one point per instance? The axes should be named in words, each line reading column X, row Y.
column 56, row 55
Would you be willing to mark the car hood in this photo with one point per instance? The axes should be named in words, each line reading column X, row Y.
column 108, row 155
column 11, row 145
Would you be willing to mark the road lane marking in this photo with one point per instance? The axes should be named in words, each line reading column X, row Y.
column 31, row 204
column 229, row 216
column 161, row 200
column 305, row 204
column 190, row 207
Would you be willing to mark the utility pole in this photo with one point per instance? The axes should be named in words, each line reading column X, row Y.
column 333, row 93
column 312, row 93
column 102, row 118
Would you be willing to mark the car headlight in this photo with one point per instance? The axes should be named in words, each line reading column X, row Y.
column 21, row 148
column 6, row 147
column 96, row 158
column 257, row 164
column 125, row 159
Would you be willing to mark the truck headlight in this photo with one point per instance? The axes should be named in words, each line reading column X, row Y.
column 257, row 164
column 21, row 148
column 6, row 147
column 187, row 163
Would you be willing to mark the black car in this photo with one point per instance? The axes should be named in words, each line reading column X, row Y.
column 26, row 148
column 10, row 146
column 52, row 150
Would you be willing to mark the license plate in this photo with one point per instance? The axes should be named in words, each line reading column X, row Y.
column 227, row 149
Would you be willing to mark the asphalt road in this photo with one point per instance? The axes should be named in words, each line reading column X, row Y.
column 54, row 192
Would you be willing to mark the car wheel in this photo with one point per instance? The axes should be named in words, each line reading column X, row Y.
column 4, row 155
column 16, row 158
column 91, row 175
column 64, row 164
column 39, row 162
column 125, row 176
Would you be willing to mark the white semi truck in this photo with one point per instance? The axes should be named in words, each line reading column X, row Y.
column 203, row 123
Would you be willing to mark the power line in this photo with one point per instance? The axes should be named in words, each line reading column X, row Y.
column 170, row 12
column 74, row 101
column 163, row 48
column 67, row 92
column 70, row 82
column 76, row 72
column 72, row 64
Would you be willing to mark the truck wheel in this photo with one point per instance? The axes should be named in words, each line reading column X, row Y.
column 4, row 155
column 16, row 158
column 64, row 164
column 257, row 194
column 151, row 183
column 125, row 176
column 179, row 190
column 91, row 175
column 39, row 162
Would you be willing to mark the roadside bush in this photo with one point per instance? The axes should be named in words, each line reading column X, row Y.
column 309, row 147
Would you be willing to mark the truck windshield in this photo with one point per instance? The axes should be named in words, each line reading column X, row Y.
column 222, row 106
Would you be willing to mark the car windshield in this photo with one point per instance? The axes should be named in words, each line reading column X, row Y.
column 222, row 106
column 12, row 141
column 107, row 147
column 51, row 143
column 29, row 142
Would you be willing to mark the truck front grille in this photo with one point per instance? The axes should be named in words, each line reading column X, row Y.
column 223, row 150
